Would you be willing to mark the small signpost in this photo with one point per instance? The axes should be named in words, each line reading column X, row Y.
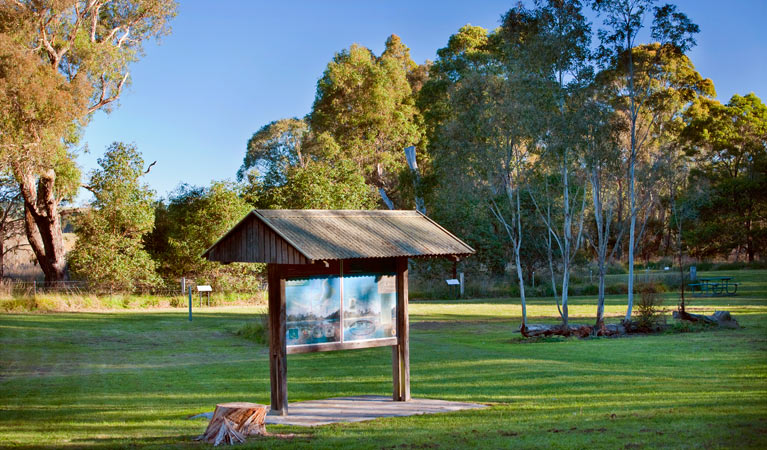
column 204, row 288
column 454, row 282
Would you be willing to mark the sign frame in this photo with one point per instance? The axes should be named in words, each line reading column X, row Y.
column 278, row 349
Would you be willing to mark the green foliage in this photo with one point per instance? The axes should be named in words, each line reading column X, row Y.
column 61, row 61
column 729, row 145
column 365, row 111
column 319, row 185
column 275, row 149
column 109, row 250
column 350, row 145
column 192, row 221
column 256, row 330
column 649, row 315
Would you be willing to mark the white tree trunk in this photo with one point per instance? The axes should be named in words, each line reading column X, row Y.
column 632, row 226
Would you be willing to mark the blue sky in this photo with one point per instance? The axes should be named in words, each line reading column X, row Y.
column 229, row 67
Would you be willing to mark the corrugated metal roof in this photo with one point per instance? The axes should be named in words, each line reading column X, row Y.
column 347, row 234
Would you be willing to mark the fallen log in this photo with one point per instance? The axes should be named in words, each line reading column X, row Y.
column 721, row 318
column 558, row 330
column 233, row 422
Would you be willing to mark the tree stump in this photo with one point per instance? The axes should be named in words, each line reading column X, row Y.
column 233, row 422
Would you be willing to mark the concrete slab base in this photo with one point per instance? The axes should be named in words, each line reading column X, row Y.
column 357, row 409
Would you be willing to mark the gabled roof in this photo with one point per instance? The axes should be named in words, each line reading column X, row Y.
column 303, row 236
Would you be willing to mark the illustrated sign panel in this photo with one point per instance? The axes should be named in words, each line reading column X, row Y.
column 328, row 309
column 313, row 309
column 370, row 307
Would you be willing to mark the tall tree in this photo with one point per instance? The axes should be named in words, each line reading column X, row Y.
column 109, row 250
column 602, row 161
column 485, row 134
column 365, row 103
column 287, row 166
column 192, row 220
column 60, row 62
column 556, row 47
column 276, row 148
column 623, row 20
column 453, row 192
column 729, row 144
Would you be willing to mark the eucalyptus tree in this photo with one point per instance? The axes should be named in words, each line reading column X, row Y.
column 481, row 137
column 602, row 163
column 274, row 149
column 109, row 250
column 623, row 21
column 189, row 222
column 553, row 46
column 365, row 104
column 728, row 143
column 61, row 62
column 453, row 192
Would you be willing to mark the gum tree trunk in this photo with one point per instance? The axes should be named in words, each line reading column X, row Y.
column 42, row 223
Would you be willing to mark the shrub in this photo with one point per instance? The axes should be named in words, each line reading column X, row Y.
column 649, row 314
column 619, row 288
column 655, row 288
column 176, row 301
column 661, row 264
column 616, row 269
column 590, row 289
column 257, row 330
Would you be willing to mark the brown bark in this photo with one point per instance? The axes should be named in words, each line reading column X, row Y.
column 233, row 422
column 43, row 222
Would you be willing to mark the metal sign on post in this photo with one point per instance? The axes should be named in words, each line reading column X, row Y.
column 204, row 288
column 454, row 282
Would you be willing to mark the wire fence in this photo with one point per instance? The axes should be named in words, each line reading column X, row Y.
column 169, row 288
column 582, row 282
column 476, row 285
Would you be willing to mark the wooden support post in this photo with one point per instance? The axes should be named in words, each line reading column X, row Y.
column 395, row 370
column 278, row 373
column 403, row 335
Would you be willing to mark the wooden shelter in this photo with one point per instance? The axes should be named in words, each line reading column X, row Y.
column 319, row 253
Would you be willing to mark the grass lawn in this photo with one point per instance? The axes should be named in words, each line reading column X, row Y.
column 129, row 378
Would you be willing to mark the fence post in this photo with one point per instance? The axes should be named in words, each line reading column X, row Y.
column 190, row 303
column 34, row 287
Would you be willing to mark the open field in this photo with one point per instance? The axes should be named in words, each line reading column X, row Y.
column 129, row 378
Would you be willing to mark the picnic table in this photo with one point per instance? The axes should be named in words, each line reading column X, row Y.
column 714, row 287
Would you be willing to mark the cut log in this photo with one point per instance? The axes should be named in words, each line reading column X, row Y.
column 573, row 330
column 721, row 318
column 233, row 422
column 557, row 330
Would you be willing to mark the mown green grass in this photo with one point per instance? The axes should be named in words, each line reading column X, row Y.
column 130, row 378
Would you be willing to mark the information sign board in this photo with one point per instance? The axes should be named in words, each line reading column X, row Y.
column 330, row 309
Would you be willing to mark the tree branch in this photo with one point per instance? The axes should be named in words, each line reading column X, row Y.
column 103, row 99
